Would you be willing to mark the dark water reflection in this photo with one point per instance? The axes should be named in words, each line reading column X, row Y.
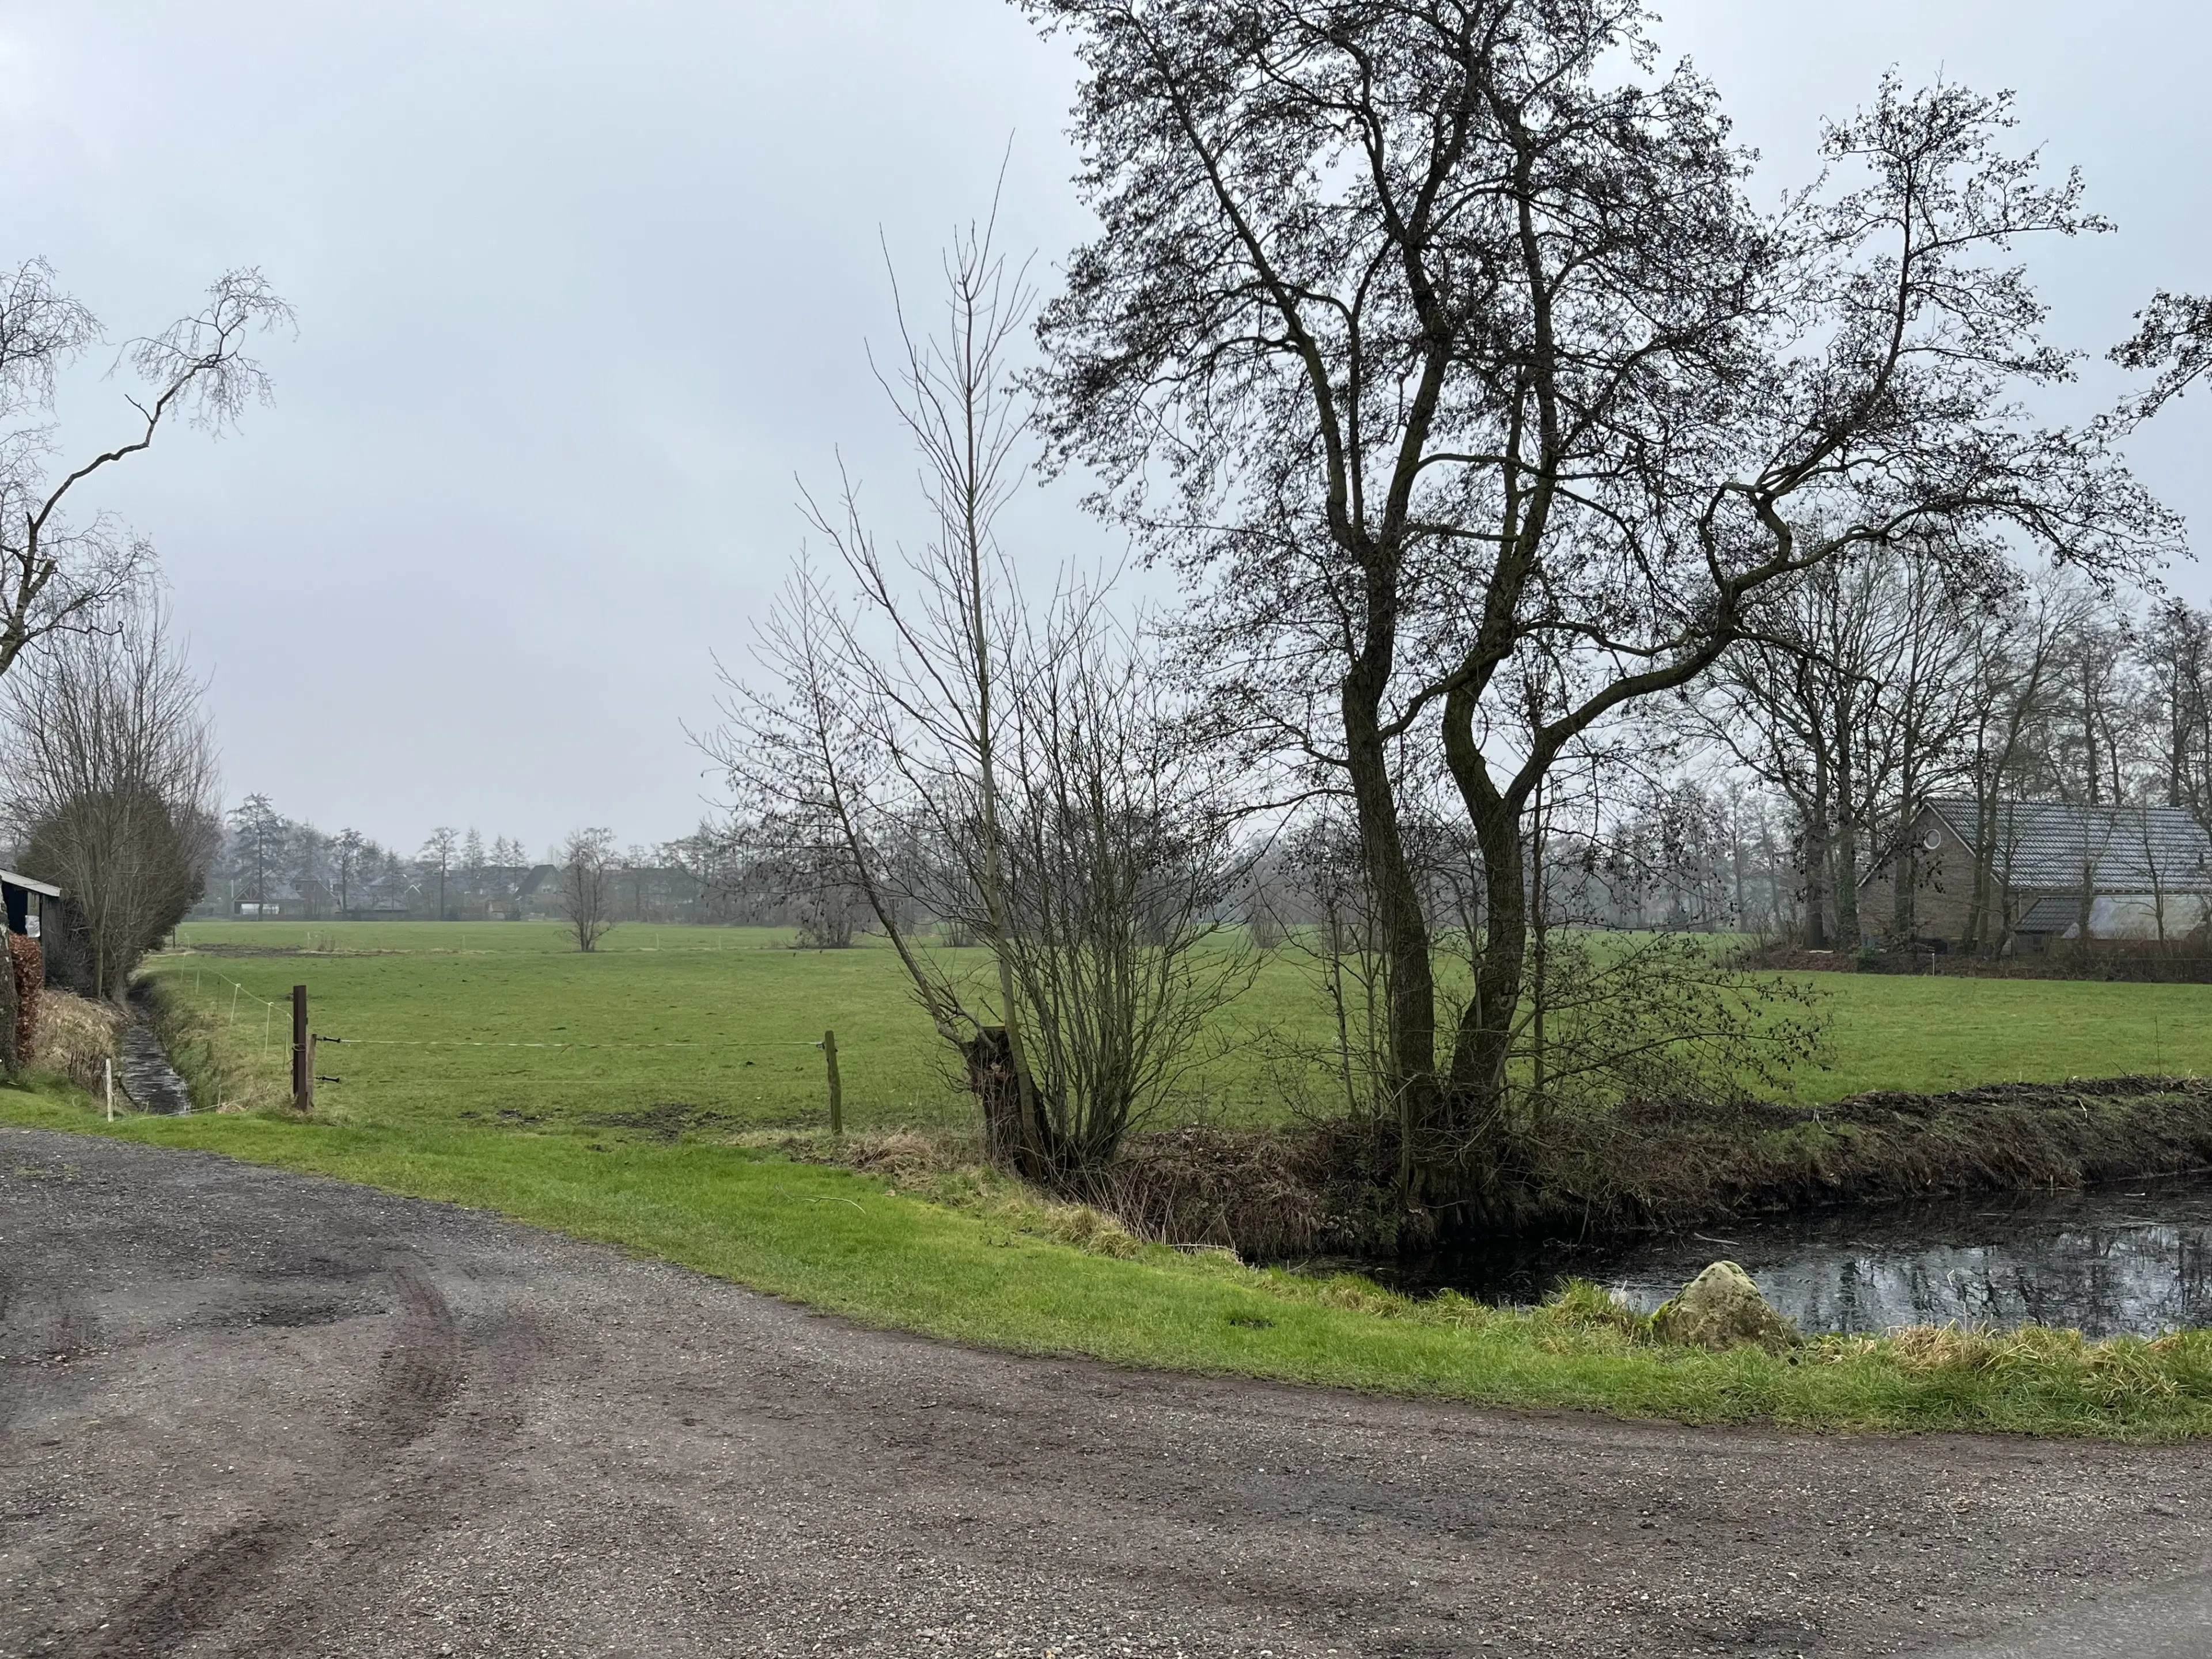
column 146, row 1076
column 2134, row 1258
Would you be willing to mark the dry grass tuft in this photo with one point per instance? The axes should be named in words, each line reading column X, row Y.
column 1582, row 1306
column 75, row 1035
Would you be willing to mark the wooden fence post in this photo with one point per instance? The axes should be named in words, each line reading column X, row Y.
column 303, row 1074
column 836, row 1086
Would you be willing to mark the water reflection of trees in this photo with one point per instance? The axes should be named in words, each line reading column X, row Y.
column 2108, row 1262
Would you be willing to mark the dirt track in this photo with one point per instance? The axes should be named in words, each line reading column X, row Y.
column 246, row 1413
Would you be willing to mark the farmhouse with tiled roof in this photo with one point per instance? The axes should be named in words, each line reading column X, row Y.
column 2019, row 874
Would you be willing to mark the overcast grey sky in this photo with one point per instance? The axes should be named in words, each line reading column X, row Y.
column 581, row 287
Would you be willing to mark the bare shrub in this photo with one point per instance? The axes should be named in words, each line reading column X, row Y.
column 113, row 798
column 939, row 748
column 586, row 893
column 826, row 916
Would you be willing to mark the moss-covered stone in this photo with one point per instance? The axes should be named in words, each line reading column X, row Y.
column 1720, row 1308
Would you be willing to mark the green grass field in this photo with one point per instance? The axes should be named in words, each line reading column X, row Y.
column 492, row 1066
column 510, row 1017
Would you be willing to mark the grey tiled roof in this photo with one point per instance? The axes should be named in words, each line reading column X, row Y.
column 2052, row 915
column 2128, row 849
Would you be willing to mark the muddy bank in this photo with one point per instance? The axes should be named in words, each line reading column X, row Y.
column 1327, row 1189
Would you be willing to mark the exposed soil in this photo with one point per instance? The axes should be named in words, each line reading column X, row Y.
column 243, row 1413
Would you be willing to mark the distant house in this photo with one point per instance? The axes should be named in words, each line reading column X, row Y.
column 2049, row 872
column 538, row 894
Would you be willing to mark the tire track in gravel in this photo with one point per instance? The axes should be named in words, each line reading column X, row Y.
column 587, row 1453
column 421, row 1375
column 43, row 1326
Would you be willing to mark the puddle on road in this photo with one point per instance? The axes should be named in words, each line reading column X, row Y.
column 2134, row 1258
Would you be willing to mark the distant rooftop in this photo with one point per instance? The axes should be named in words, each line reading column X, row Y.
column 2127, row 849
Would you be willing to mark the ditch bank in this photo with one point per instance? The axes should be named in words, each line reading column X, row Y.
column 1326, row 1189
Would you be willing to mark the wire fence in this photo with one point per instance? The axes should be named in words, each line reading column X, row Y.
column 272, row 1009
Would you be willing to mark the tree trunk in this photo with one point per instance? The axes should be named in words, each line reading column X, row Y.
column 1847, row 884
column 1847, row 851
column 1452, row 1155
column 1985, row 836
column 1906, row 867
column 1410, row 1049
column 1816, row 859
column 1008, row 1126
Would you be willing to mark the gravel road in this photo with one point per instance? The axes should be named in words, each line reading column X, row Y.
column 244, row 1412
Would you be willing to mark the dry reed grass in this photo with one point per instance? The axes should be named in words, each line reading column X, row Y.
column 75, row 1035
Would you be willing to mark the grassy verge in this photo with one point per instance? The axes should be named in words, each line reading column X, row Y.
column 996, row 1269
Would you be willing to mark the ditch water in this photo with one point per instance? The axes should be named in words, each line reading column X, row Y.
column 2134, row 1258
column 143, row 1073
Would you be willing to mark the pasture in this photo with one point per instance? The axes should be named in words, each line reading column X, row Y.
column 495, row 1067
column 507, row 1022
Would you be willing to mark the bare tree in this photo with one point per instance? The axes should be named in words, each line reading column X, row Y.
column 436, row 859
column 257, row 835
column 932, row 747
column 346, row 850
column 2176, row 658
column 60, row 573
column 310, row 855
column 2017, row 650
column 114, row 795
column 1118, row 864
column 586, row 860
column 1852, row 696
column 1432, row 338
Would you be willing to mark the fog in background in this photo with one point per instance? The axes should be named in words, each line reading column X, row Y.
column 581, row 288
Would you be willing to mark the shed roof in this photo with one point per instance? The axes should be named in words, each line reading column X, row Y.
column 2051, row 916
column 2125, row 849
column 9, row 878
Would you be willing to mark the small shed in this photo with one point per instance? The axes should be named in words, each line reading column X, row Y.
column 25, row 900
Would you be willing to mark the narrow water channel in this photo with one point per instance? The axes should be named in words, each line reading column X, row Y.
column 2134, row 1258
column 143, row 1073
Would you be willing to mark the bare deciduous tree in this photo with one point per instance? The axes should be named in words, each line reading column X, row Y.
column 1434, row 339
column 932, row 748
column 347, row 849
column 586, row 885
column 1119, row 861
column 436, row 859
column 113, row 796
column 60, row 573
